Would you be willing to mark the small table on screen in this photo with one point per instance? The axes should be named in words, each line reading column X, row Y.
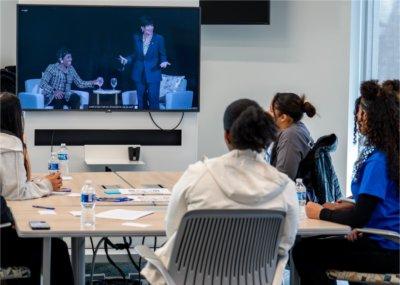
column 99, row 92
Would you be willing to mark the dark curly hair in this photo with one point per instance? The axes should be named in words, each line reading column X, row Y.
column 249, row 125
column 381, row 104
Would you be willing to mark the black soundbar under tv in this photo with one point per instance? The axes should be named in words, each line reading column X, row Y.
column 108, row 137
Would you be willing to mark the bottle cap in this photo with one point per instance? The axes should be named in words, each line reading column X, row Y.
column 299, row 180
column 63, row 144
column 88, row 181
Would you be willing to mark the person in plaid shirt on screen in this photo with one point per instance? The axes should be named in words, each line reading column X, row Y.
column 57, row 80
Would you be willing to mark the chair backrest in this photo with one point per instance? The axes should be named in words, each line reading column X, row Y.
column 226, row 247
column 32, row 86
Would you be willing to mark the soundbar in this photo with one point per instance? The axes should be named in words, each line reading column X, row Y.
column 107, row 137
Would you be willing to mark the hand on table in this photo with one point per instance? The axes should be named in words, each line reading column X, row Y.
column 353, row 235
column 313, row 210
column 55, row 180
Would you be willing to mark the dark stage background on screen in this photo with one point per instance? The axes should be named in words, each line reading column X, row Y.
column 98, row 35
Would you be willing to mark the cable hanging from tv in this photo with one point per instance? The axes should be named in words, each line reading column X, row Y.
column 162, row 129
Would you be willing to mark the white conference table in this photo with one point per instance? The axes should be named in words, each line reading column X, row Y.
column 64, row 224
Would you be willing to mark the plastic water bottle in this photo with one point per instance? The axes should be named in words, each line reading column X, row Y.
column 88, row 202
column 53, row 165
column 63, row 157
column 301, row 196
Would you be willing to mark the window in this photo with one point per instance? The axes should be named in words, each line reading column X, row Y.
column 374, row 54
column 388, row 48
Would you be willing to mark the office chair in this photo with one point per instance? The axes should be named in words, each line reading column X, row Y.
column 369, row 278
column 10, row 272
column 222, row 247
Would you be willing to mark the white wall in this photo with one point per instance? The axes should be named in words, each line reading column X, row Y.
column 304, row 50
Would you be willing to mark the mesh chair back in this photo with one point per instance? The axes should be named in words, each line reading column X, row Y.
column 226, row 247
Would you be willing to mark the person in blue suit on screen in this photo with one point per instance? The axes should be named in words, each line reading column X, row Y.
column 148, row 58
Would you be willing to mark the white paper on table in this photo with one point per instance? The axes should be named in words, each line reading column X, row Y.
column 145, row 191
column 74, row 195
column 66, row 178
column 150, row 198
column 138, row 225
column 122, row 214
column 47, row 212
column 59, row 193
column 76, row 213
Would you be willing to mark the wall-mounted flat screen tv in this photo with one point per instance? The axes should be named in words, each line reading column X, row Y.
column 108, row 58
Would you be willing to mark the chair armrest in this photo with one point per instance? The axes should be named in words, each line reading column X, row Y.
column 31, row 100
column 393, row 236
column 5, row 225
column 84, row 95
column 153, row 259
column 178, row 100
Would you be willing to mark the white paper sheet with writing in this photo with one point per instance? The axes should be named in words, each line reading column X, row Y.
column 122, row 214
column 150, row 198
column 145, row 191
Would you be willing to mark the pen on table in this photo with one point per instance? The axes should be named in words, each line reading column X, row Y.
column 43, row 207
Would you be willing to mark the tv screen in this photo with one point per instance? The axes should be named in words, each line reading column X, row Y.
column 108, row 58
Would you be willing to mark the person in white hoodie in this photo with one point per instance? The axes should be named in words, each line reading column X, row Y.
column 240, row 179
column 15, row 172
column 15, row 184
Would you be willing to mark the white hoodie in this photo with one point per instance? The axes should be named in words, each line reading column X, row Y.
column 13, row 178
column 236, row 180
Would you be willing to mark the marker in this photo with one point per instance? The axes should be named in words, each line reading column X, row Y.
column 43, row 207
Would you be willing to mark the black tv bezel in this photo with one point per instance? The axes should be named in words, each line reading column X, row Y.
column 111, row 110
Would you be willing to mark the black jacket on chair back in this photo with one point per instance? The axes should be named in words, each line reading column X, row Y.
column 318, row 174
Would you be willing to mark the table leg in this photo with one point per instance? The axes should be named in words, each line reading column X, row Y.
column 46, row 261
column 78, row 259
column 98, row 99
column 116, row 99
column 294, row 276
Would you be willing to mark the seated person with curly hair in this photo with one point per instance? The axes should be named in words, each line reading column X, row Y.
column 375, row 188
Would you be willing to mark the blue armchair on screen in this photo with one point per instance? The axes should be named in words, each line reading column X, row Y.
column 33, row 98
column 173, row 93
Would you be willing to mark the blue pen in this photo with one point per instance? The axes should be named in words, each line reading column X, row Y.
column 43, row 207
column 117, row 199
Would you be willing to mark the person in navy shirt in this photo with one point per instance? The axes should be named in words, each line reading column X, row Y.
column 375, row 189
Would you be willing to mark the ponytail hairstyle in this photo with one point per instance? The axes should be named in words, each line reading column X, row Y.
column 249, row 126
column 292, row 105
column 381, row 104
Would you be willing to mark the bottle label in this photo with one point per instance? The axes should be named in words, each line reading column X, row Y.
column 53, row 166
column 301, row 195
column 88, row 198
column 62, row 156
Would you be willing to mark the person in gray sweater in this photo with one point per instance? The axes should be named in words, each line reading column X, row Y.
column 294, row 140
